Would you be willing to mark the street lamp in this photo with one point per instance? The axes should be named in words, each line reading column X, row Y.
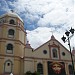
column 68, row 39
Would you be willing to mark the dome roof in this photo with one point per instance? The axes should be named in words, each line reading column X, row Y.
column 11, row 14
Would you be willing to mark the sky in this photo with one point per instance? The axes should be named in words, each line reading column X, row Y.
column 43, row 18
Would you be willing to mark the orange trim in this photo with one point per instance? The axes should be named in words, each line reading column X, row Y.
column 59, row 52
column 1, row 58
column 10, row 56
column 56, row 46
column 52, row 40
column 2, row 41
column 8, row 25
column 49, row 50
column 12, row 40
column 47, row 59
column 29, row 60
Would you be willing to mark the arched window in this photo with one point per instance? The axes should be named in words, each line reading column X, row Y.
column 9, row 48
column 40, row 68
column 55, row 55
column 11, row 32
column 12, row 21
column 70, row 69
column 8, row 66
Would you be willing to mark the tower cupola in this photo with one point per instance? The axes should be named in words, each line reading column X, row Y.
column 11, row 18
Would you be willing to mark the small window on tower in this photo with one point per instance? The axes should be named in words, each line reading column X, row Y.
column 11, row 33
column 9, row 48
column 12, row 21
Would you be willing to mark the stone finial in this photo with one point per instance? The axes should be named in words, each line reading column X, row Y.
column 73, row 51
column 52, row 37
column 28, row 45
column 73, row 48
column 27, row 42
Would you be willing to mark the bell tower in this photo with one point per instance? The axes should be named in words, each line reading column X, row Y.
column 12, row 43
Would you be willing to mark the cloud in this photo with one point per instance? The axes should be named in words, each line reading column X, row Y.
column 49, row 12
column 3, row 5
column 38, row 36
column 43, row 16
column 41, row 35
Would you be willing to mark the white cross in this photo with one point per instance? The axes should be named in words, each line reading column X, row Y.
column 51, row 32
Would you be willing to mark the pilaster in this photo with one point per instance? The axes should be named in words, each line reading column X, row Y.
column 45, row 70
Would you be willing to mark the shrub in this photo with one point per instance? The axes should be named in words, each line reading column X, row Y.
column 28, row 73
column 35, row 73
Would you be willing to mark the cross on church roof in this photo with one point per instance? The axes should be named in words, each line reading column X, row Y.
column 52, row 36
column 51, row 32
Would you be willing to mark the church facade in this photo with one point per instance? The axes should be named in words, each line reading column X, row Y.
column 18, row 57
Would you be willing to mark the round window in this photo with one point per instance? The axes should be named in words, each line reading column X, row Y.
column 45, row 51
column 63, row 53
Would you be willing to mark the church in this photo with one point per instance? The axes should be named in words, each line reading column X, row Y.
column 18, row 57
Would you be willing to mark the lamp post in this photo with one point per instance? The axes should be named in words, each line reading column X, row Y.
column 68, row 39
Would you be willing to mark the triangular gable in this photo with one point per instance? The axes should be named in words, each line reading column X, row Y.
column 49, row 41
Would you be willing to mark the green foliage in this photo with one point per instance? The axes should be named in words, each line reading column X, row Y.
column 36, row 73
column 30, row 73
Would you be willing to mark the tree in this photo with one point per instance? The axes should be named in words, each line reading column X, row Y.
column 36, row 73
column 28, row 73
